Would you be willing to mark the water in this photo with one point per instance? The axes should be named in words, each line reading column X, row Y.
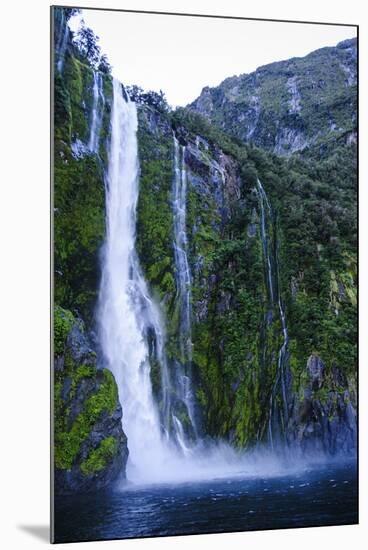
column 183, row 279
column 97, row 112
column 125, row 308
column 183, row 286
column 62, row 43
column 264, row 203
column 273, row 286
column 308, row 497
column 128, row 316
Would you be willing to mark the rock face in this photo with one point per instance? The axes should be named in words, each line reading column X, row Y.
column 316, row 369
column 289, row 105
column 89, row 443
column 323, row 419
column 236, row 333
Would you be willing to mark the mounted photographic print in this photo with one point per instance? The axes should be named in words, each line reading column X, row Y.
column 204, row 202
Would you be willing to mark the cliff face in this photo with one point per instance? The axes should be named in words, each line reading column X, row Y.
column 273, row 272
column 237, row 329
column 289, row 105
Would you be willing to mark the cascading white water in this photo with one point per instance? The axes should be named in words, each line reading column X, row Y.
column 125, row 308
column 96, row 113
column 183, row 286
column 280, row 376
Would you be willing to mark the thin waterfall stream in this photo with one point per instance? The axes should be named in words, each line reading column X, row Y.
column 274, row 294
column 183, row 285
column 62, row 43
column 97, row 112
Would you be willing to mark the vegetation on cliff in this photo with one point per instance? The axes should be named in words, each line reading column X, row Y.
column 89, row 444
column 237, row 330
column 289, row 105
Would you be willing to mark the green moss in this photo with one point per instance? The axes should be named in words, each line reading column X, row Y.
column 69, row 439
column 79, row 201
column 63, row 322
column 100, row 457
column 79, row 232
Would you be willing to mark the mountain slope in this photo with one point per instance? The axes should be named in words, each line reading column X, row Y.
column 288, row 105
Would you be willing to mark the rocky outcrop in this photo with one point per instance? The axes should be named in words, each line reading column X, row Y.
column 290, row 105
column 323, row 419
column 316, row 370
column 89, row 443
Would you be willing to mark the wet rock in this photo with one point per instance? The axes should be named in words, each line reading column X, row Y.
column 80, row 380
column 252, row 230
column 338, row 377
column 323, row 422
column 316, row 370
column 79, row 346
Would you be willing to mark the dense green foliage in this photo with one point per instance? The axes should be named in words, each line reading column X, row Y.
column 78, row 188
column 154, row 219
column 63, row 323
column 69, row 436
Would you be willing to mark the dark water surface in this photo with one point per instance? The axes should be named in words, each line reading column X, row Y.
column 312, row 497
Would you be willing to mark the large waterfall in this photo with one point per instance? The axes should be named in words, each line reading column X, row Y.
column 271, row 261
column 127, row 316
column 126, row 310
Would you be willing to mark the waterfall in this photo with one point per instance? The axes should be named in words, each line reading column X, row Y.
column 271, row 259
column 97, row 112
column 131, row 330
column 126, row 310
column 265, row 238
column 183, row 286
column 62, row 42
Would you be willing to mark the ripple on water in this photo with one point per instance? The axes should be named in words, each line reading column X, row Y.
column 318, row 498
